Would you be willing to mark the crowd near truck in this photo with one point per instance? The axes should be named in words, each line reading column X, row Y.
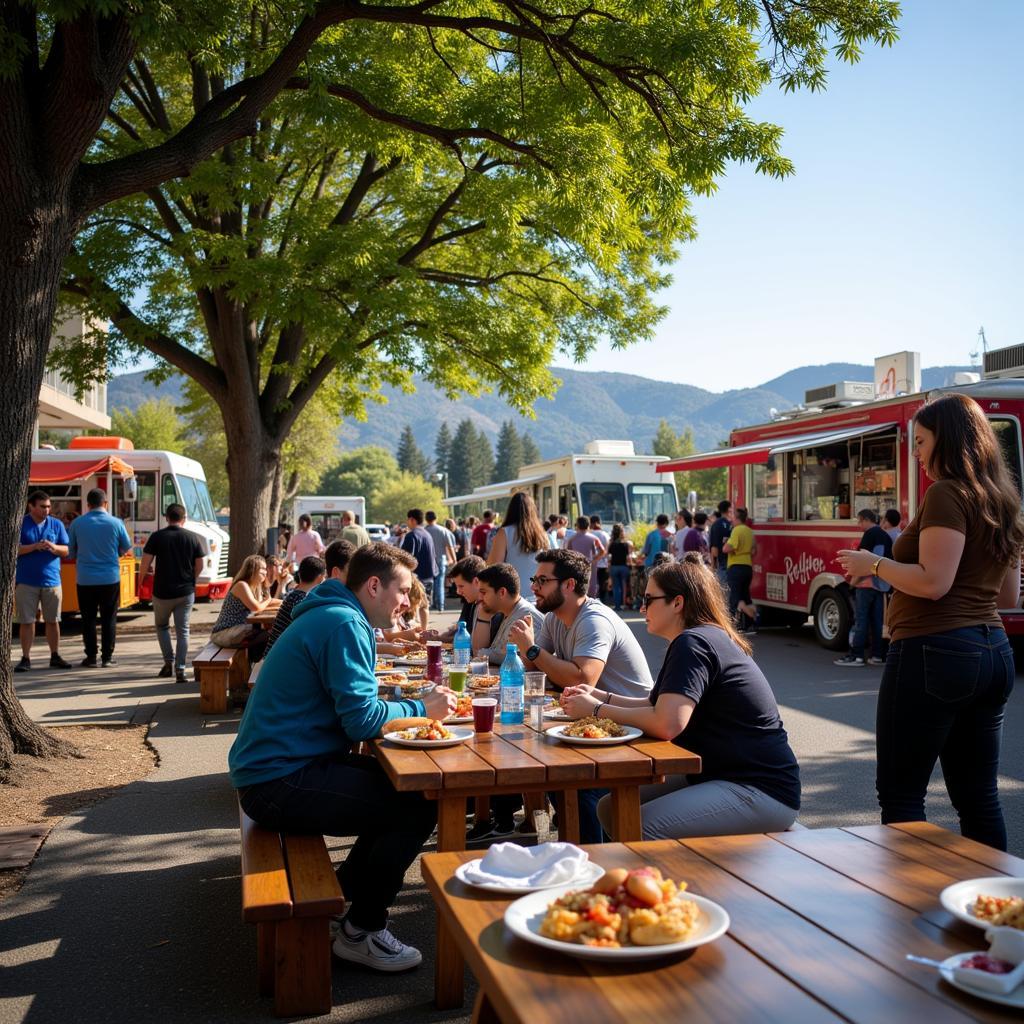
column 325, row 512
column 607, row 479
column 805, row 475
column 139, row 484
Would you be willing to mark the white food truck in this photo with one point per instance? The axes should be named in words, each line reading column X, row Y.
column 607, row 479
column 326, row 513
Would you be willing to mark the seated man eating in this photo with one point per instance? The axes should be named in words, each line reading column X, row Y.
column 292, row 761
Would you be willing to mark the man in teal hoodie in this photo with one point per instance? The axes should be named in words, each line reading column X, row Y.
column 292, row 761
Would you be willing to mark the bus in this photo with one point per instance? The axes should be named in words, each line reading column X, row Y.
column 140, row 484
column 607, row 479
column 804, row 477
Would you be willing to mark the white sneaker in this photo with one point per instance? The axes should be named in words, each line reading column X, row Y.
column 876, row 661
column 379, row 950
column 849, row 660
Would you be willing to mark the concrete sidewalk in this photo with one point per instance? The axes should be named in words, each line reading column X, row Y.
column 131, row 911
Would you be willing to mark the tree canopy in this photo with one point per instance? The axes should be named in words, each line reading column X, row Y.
column 151, row 424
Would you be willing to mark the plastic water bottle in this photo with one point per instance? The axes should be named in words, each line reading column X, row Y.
column 462, row 647
column 512, row 687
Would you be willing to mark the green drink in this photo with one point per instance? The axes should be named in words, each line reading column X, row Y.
column 457, row 678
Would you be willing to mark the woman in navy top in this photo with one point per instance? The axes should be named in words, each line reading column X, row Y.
column 711, row 698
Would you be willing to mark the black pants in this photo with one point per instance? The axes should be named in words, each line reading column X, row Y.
column 942, row 697
column 346, row 795
column 103, row 598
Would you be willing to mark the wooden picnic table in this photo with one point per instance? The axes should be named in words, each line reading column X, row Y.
column 517, row 759
column 264, row 618
column 821, row 921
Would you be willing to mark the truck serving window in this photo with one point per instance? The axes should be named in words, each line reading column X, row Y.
column 145, row 503
column 605, row 500
column 648, row 501
column 766, row 488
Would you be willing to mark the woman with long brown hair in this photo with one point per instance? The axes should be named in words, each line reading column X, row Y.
column 949, row 670
column 521, row 536
column 711, row 698
column 248, row 594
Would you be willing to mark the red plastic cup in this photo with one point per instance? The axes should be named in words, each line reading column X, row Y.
column 434, row 653
column 483, row 713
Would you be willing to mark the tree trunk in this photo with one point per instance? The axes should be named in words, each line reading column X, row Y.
column 34, row 240
column 253, row 458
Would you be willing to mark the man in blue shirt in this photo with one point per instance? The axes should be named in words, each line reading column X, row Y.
column 420, row 545
column 97, row 541
column 43, row 543
column 294, row 762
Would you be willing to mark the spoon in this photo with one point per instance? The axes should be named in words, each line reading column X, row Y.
column 923, row 960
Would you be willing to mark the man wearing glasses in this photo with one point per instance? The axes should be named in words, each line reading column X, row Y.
column 43, row 543
column 582, row 643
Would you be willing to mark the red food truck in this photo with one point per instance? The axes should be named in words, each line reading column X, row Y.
column 804, row 477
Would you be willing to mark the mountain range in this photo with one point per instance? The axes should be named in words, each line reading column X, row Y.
column 587, row 405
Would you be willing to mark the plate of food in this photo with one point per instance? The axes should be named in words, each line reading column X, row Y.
column 988, row 974
column 425, row 732
column 483, row 683
column 986, row 902
column 592, row 731
column 463, row 712
column 624, row 915
column 412, row 658
column 556, row 713
column 384, row 665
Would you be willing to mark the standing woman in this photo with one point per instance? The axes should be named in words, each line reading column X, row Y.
column 519, row 540
column 619, row 550
column 710, row 697
column 950, row 667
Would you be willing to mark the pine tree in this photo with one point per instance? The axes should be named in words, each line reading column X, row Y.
column 443, row 449
column 460, row 458
column 509, row 455
column 483, row 461
column 410, row 458
column 531, row 453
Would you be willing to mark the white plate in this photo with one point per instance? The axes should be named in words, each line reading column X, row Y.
column 632, row 733
column 1014, row 998
column 464, row 720
column 958, row 897
column 410, row 661
column 523, row 918
column 557, row 715
column 584, row 880
column 461, row 735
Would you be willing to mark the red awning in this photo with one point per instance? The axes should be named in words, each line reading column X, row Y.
column 66, row 472
column 758, row 452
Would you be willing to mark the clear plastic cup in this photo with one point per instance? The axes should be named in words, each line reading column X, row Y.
column 483, row 713
column 479, row 667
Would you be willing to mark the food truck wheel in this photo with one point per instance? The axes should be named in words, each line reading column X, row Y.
column 832, row 619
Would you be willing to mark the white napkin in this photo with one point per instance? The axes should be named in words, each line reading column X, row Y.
column 515, row 865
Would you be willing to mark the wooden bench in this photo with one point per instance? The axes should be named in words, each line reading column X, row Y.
column 290, row 892
column 219, row 670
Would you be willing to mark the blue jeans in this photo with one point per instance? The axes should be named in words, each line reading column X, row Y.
column 869, row 605
column 437, row 603
column 344, row 795
column 620, row 579
column 181, row 609
column 942, row 697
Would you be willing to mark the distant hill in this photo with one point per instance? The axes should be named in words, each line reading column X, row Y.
column 588, row 405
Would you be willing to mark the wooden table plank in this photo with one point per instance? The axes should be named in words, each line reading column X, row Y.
column 968, row 848
column 562, row 763
column 512, row 765
column 719, row 982
column 407, row 769
column 848, row 981
column 905, row 844
column 861, row 917
column 462, row 768
column 621, row 762
column 667, row 758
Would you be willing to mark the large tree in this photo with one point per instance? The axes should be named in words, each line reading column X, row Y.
column 410, row 456
column 571, row 138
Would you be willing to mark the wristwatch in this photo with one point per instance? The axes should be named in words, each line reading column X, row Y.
column 533, row 652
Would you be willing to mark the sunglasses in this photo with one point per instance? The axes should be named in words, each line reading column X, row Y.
column 648, row 598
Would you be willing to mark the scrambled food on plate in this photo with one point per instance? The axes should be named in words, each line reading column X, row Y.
column 1005, row 911
column 591, row 728
column 623, row 908
column 415, row 656
column 431, row 731
column 464, row 707
column 484, row 682
column 383, row 664
column 392, row 679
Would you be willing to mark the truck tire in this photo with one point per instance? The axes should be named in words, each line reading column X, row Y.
column 832, row 618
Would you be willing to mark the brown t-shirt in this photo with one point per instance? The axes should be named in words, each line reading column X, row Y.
column 971, row 600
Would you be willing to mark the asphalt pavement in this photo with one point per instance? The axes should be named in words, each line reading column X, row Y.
column 131, row 910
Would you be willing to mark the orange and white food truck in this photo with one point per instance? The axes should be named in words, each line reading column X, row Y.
column 803, row 478
column 139, row 484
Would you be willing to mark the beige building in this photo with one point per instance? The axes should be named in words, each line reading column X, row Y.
column 59, row 409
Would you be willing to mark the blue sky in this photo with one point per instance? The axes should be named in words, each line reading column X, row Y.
column 902, row 227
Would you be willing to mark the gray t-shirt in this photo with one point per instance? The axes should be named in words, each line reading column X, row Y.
column 499, row 645
column 441, row 536
column 597, row 632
